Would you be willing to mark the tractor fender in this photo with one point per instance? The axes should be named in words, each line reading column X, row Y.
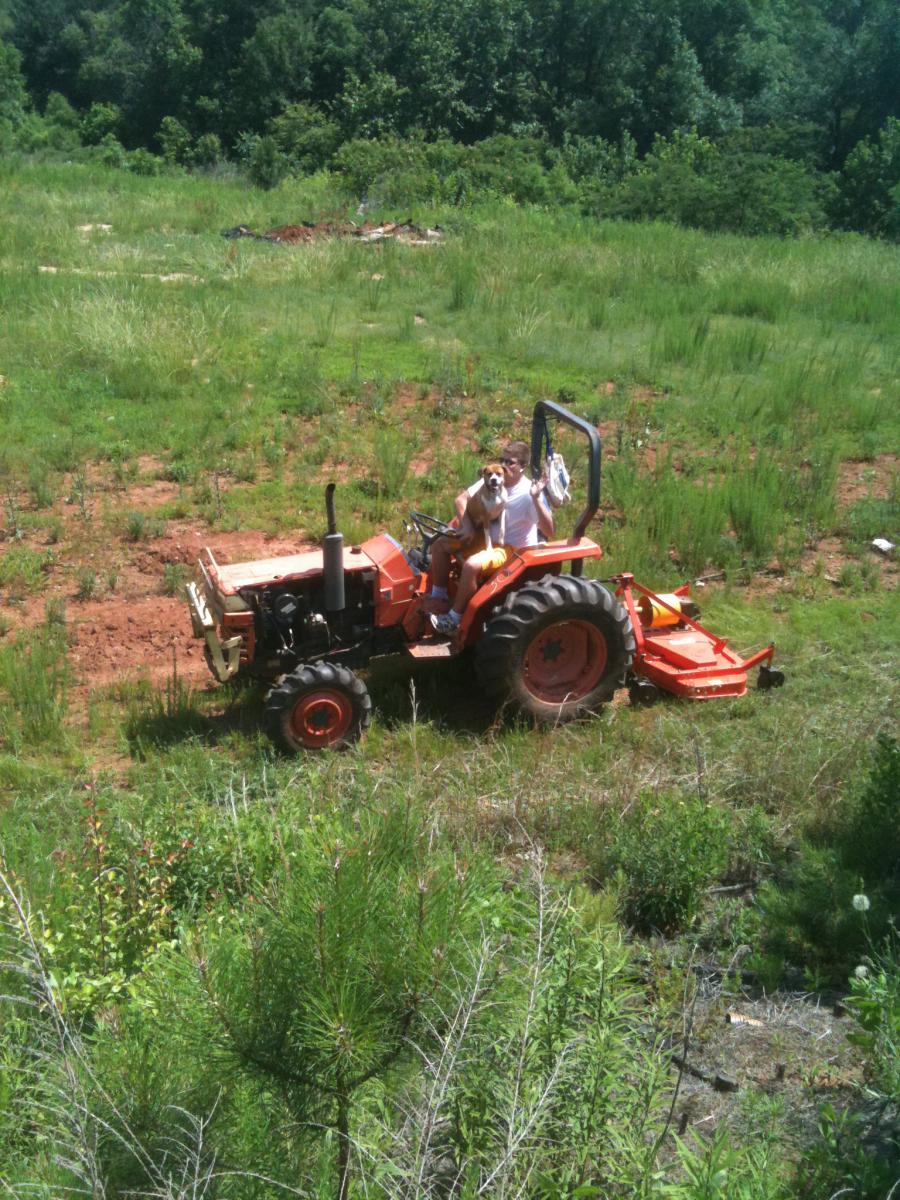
column 528, row 563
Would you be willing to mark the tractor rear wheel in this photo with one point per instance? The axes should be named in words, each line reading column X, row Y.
column 318, row 706
column 556, row 648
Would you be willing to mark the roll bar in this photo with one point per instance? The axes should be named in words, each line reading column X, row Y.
column 540, row 430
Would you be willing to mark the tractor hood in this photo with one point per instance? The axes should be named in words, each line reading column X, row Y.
column 285, row 569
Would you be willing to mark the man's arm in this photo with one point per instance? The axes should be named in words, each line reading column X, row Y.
column 543, row 512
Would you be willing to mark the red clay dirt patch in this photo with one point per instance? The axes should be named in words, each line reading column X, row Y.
column 135, row 631
column 858, row 480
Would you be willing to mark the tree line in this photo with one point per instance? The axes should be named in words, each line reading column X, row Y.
column 800, row 99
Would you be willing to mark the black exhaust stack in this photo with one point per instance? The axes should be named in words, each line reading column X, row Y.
column 333, row 558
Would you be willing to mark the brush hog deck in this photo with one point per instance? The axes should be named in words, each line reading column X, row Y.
column 676, row 654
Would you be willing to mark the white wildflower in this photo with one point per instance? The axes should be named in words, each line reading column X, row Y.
column 861, row 972
column 861, row 903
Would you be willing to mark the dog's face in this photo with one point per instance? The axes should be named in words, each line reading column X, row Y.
column 493, row 478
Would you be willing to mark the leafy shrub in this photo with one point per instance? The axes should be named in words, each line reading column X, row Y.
column 100, row 121
column 115, row 913
column 365, row 163
column 665, row 852
column 111, row 151
column 208, row 150
column 14, row 103
column 266, row 165
column 305, row 136
column 175, row 142
column 520, row 168
column 689, row 180
column 398, row 171
column 142, row 162
column 62, row 122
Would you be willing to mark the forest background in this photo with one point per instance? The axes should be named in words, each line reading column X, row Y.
column 741, row 115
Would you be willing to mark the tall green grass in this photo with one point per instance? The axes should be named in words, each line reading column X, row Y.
column 542, row 301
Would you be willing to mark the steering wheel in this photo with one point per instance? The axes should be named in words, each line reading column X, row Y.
column 431, row 528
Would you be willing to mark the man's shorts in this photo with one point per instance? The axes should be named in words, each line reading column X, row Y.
column 499, row 557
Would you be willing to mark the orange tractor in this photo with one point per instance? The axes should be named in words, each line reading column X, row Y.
column 547, row 641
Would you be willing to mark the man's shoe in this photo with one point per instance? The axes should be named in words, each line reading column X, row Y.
column 444, row 624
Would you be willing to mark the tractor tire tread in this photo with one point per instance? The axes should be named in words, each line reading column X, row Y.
column 283, row 695
column 534, row 606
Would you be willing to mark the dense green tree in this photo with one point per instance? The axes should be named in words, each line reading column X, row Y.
column 274, row 69
column 868, row 196
column 52, row 41
column 13, row 96
column 340, row 48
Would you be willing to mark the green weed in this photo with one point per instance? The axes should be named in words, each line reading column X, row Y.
column 39, row 484
column 392, row 454
column 86, row 584
column 325, row 325
column 34, row 676
column 664, row 853
column 135, row 526
column 23, row 570
column 175, row 576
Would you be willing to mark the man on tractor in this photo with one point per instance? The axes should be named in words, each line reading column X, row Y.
column 527, row 514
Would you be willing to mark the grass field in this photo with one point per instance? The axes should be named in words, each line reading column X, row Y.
column 162, row 389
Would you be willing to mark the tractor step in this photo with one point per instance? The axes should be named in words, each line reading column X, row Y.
column 431, row 649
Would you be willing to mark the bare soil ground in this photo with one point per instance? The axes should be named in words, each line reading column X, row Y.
column 790, row 1047
column 129, row 627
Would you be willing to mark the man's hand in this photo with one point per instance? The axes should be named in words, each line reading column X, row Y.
column 537, row 487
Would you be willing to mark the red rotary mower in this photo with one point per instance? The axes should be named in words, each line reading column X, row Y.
column 547, row 641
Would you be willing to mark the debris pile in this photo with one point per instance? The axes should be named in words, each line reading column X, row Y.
column 308, row 231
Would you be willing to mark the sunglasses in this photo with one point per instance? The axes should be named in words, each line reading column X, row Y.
column 510, row 462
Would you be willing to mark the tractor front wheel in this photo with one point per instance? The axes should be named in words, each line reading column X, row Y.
column 557, row 648
column 318, row 706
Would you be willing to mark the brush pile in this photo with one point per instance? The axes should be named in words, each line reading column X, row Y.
column 308, row 231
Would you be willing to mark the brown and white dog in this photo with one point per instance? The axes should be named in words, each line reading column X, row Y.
column 486, row 505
